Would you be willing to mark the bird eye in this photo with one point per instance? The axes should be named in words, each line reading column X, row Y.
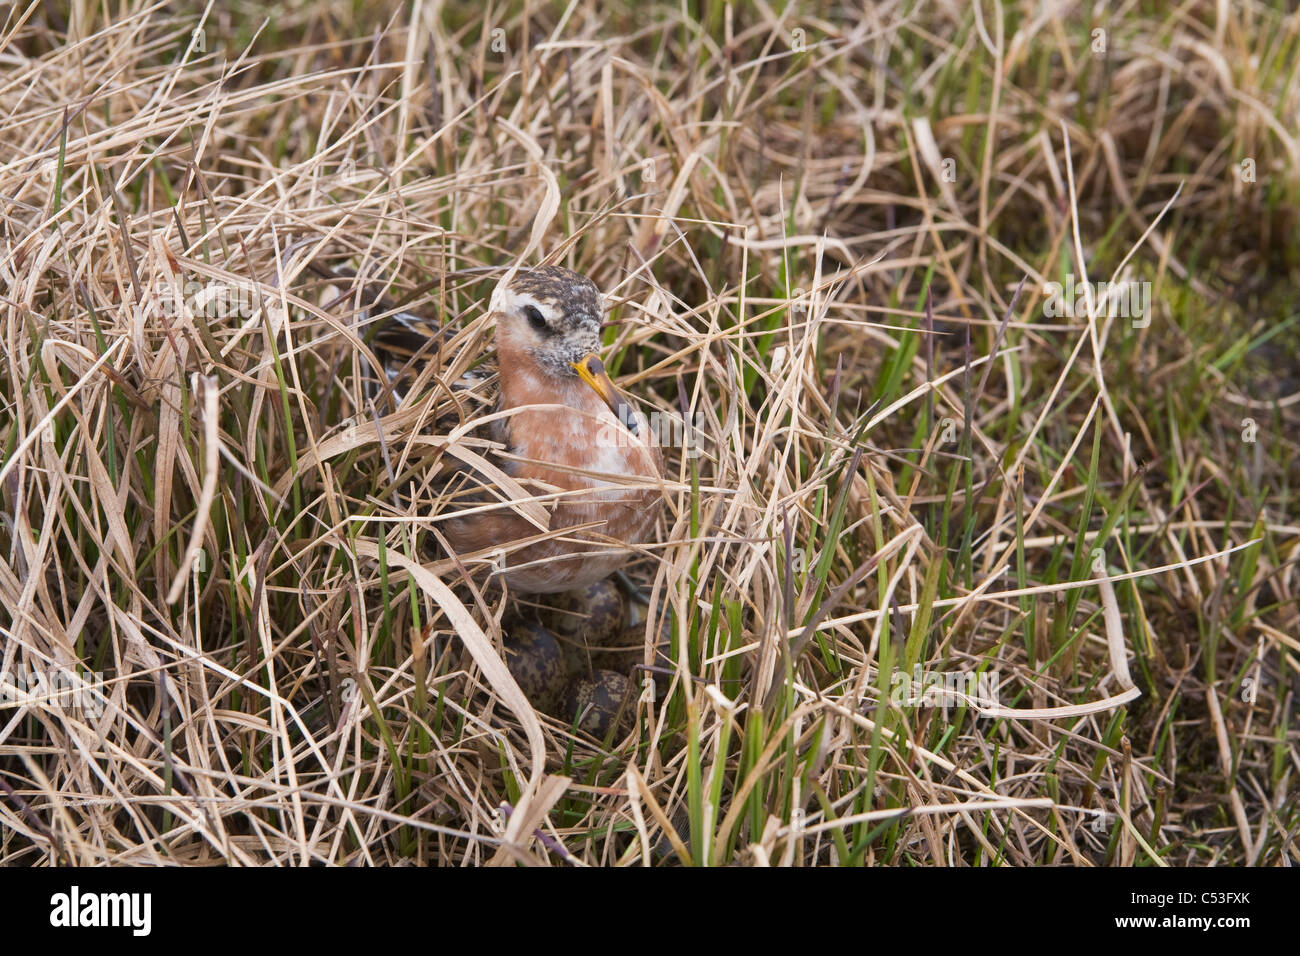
column 535, row 318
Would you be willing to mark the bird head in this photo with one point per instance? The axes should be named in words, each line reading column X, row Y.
column 554, row 315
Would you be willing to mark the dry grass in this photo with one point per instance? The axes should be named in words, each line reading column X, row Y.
column 816, row 227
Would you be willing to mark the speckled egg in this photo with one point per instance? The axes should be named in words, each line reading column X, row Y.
column 537, row 664
column 599, row 699
column 585, row 620
column 627, row 651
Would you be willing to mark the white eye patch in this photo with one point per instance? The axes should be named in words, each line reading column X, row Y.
column 515, row 302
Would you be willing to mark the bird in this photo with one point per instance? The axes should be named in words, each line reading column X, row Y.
column 564, row 429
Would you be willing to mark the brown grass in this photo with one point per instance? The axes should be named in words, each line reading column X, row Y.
column 205, row 510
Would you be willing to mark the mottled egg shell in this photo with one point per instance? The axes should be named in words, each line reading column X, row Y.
column 598, row 699
column 585, row 620
column 627, row 650
column 536, row 662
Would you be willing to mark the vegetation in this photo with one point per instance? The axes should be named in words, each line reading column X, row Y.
column 830, row 234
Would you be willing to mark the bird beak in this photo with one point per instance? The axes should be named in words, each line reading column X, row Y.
column 592, row 371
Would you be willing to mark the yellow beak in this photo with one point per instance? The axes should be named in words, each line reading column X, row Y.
column 592, row 371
